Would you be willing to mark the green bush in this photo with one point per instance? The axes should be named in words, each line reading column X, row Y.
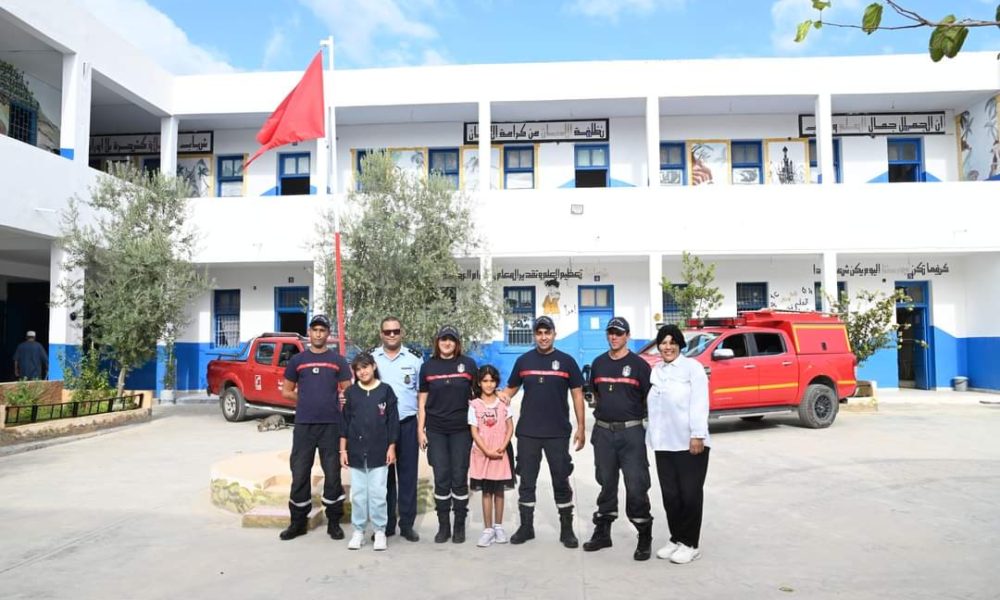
column 87, row 379
column 25, row 393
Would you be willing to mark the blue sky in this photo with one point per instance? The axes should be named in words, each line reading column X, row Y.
column 193, row 36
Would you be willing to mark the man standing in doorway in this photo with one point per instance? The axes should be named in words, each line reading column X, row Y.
column 620, row 382
column 314, row 380
column 30, row 359
column 399, row 366
column 547, row 374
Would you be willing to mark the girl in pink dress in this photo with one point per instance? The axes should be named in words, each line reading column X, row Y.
column 490, row 465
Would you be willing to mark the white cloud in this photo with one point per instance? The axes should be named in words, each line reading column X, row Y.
column 277, row 44
column 359, row 27
column 611, row 9
column 787, row 14
column 158, row 36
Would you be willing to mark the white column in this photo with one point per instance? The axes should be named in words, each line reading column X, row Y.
column 319, row 289
column 168, row 145
column 485, row 168
column 331, row 123
column 655, row 291
column 829, row 278
column 74, row 123
column 824, row 137
column 486, row 273
column 652, row 141
column 65, row 332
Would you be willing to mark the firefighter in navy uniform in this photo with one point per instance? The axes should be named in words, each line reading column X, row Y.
column 620, row 382
column 547, row 375
column 314, row 380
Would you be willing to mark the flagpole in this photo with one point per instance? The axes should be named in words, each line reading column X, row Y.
column 331, row 178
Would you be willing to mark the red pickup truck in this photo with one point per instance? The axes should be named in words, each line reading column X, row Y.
column 771, row 361
column 253, row 378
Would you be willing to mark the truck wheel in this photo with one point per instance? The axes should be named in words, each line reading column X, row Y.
column 234, row 407
column 752, row 418
column 819, row 406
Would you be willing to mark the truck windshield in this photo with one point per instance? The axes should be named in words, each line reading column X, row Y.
column 697, row 342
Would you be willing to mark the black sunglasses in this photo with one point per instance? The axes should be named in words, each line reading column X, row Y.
column 391, row 331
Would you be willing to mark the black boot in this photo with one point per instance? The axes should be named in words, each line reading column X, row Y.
column 294, row 530
column 601, row 537
column 527, row 529
column 444, row 528
column 643, row 549
column 334, row 530
column 458, row 535
column 566, row 535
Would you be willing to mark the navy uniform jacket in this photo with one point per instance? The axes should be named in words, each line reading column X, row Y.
column 371, row 423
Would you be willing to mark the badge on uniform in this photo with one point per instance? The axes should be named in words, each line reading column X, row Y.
column 555, row 365
column 626, row 371
column 406, row 379
column 381, row 409
column 315, row 370
column 461, row 367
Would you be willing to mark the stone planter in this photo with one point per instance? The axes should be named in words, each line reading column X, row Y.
column 864, row 399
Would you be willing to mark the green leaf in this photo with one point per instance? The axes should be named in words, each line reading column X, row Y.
column 818, row 24
column 937, row 44
column 820, row 5
column 803, row 30
column 956, row 37
column 872, row 18
column 948, row 20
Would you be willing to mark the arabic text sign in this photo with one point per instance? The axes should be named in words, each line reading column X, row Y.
column 148, row 143
column 923, row 123
column 592, row 130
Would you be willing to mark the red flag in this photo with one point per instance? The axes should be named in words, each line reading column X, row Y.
column 299, row 116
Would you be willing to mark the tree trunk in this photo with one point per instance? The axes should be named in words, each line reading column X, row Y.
column 121, row 382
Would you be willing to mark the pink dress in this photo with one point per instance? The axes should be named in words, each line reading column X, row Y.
column 491, row 419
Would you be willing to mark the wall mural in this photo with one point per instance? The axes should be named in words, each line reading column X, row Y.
column 787, row 161
column 470, row 168
column 979, row 142
column 709, row 161
column 196, row 171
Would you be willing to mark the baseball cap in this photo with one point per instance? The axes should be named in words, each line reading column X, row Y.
column 30, row 334
column 618, row 323
column 448, row 331
column 543, row 322
column 320, row 320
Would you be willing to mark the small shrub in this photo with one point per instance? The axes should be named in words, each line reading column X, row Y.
column 25, row 393
column 86, row 378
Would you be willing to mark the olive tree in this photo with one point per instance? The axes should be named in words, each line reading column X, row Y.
column 402, row 236
column 136, row 257
column 870, row 318
column 697, row 295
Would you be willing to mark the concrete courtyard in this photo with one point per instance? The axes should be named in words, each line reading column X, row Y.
column 904, row 503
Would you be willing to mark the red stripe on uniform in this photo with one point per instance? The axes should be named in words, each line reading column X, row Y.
column 562, row 374
column 451, row 376
column 627, row 380
column 319, row 364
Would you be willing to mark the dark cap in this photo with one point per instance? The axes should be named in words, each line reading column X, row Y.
column 448, row 331
column 320, row 320
column 619, row 324
column 543, row 322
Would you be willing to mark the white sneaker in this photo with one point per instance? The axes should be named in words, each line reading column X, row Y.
column 667, row 550
column 487, row 538
column 379, row 541
column 357, row 540
column 684, row 554
column 499, row 535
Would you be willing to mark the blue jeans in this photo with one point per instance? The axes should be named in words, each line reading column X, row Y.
column 368, row 497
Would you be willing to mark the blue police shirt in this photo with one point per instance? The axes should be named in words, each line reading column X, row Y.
column 402, row 373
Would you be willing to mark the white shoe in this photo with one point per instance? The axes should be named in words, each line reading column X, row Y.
column 487, row 538
column 357, row 540
column 379, row 541
column 499, row 535
column 684, row 554
column 667, row 550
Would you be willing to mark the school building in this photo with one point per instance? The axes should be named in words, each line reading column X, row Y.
column 791, row 175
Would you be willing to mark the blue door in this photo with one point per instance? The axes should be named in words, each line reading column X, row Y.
column 596, row 307
column 914, row 360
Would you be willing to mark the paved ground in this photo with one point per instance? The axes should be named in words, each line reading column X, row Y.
column 899, row 504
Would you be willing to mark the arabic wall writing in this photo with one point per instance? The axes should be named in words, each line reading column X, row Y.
column 910, row 271
column 924, row 123
column 595, row 130
column 149, row 143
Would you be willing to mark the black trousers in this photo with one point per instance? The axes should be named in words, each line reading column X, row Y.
column 448, row 455
column 682, row 483
column 307, row 438
column 621, row 451
column 529, row 463
column 402, row 485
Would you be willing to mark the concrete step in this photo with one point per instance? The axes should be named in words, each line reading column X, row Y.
column 277, row 517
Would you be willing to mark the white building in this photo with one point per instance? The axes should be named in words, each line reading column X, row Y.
column 898, row 139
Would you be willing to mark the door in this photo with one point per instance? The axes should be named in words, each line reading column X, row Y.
column 596, row 307
column 914, row 359
column 777, row 369
column 734, row 381
column 287, row 351
column 267, row 378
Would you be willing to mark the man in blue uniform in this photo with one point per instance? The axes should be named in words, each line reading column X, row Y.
column 621, row 382
column 399, row 366
column 547, row 375
column 314, row 380
column 30, row 360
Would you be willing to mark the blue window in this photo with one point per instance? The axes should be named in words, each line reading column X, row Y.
column 293, row 174
column 906, row 160
column 841, row 293
column 519, row 167
column 591, row 165
column 519, row 314
column 231, row 176
column 290, row 308
column 226, row 318
column 748, row 163
column 671, row 309
column 673, row 167
column 23, row 124
column 444, row 162
column 750, row 296
column 814, row 165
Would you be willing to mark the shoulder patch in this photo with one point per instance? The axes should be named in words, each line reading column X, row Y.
column 414, row 352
